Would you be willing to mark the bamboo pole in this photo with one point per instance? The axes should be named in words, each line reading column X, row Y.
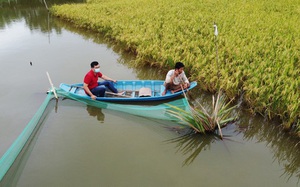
column 46, row 5
column 53, row 89
column 217, row 55
column 220, row 130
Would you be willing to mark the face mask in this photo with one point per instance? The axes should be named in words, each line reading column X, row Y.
column 97, row 70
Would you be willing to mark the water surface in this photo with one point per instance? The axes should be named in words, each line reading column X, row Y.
column 80, row 145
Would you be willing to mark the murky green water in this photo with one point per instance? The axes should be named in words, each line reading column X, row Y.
column 79, row 145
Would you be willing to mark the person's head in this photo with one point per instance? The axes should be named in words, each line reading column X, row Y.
column 179, row 66
column 95, row 66
column 94, row 63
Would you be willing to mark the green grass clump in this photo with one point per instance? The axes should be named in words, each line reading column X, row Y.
column 202, row 119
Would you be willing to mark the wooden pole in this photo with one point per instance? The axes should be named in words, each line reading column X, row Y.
column 217, row 56
column 220, row 130
column 53, row 89
column 46, row 5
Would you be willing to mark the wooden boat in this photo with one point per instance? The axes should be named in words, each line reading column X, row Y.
column 135, row 90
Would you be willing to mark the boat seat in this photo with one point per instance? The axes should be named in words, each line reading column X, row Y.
column 77, row 90
column 145, row 92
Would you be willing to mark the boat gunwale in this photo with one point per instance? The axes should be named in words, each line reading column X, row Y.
column 128, row 99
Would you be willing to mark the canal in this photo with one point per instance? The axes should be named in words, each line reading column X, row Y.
column 81, row 145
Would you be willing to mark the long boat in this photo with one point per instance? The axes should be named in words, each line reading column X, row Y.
column 134, row 90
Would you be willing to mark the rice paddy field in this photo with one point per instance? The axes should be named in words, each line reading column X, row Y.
column 255, row 56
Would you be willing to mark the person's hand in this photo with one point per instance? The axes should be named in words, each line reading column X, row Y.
column 176, row 72
column 186, row 85
column 93, row 97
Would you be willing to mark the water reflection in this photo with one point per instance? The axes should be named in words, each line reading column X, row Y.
column 285, row 148
column 96, row 112
column 33, row 12
column 192, row 144
column 148, row 73
column 34, row 3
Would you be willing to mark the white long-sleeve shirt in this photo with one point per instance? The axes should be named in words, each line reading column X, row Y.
column 177, row 80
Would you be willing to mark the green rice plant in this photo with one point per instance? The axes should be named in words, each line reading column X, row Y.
column 202, row 119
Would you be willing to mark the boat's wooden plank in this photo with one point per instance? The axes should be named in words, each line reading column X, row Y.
column 117, row 95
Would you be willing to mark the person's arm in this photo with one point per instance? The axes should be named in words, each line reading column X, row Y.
column 107, row 78
column 185, row 80
column 88, row 91
column 171, row 76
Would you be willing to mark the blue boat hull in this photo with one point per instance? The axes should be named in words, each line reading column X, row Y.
column 132, row 89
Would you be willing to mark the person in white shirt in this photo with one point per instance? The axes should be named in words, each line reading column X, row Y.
column 175, row 79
